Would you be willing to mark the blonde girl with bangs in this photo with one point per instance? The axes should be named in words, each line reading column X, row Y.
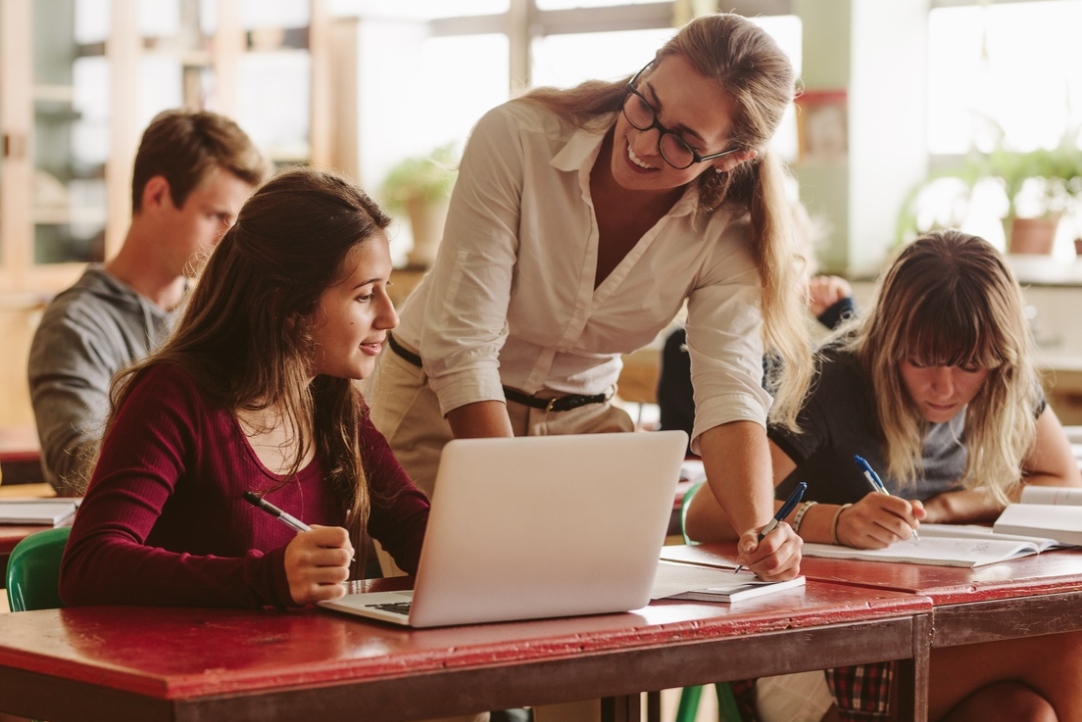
column 936, row 388
column 950, row 301
column 581, row 223
column 254, row 392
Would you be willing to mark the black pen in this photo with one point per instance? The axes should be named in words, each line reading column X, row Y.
column 784, row 511
column 288, row 519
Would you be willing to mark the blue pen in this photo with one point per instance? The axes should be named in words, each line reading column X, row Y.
column 875, row 481
column 785, row 510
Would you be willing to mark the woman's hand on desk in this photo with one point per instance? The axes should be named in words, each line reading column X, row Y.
column 317, row 562
column 877, row 521
column 775, row 557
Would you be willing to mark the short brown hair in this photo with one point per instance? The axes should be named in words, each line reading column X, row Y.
column 186, row 146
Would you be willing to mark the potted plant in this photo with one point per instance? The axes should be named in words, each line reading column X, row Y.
column 420, row 187
column 1037, row 188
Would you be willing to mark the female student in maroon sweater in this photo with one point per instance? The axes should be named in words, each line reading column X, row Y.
column 254, row 392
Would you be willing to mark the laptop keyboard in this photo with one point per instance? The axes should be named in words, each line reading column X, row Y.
column 393, row 607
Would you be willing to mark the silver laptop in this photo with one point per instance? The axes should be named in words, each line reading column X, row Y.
column 541, row 526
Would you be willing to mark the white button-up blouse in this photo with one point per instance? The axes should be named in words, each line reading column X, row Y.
column 511, row 298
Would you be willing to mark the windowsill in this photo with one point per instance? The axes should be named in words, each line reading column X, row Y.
column 1046, row 270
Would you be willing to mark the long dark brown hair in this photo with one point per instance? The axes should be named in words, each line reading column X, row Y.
column 244, row 335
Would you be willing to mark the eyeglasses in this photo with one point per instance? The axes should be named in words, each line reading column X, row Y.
column 672, row 146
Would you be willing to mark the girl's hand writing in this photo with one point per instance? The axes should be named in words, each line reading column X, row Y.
column 879, row 520
column 775, row 557
column 317, row 562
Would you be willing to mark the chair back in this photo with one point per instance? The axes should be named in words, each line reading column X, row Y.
column 33, row 576
column 685, row 502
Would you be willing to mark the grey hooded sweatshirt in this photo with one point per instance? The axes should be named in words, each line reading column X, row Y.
column 88, row 334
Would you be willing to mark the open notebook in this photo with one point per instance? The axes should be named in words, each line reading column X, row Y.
column 533, row 527
column 951, row 545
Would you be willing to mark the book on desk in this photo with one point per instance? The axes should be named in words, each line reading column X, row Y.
column 692, row 582
column 950, row 545
column 35, row 512
column 1051, row 511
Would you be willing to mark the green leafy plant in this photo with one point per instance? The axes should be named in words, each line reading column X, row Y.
column 1042, row 183
column 427, row 178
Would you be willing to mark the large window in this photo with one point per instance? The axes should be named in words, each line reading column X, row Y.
column 433, row 68
column 1006, row 73
column 1003, row 77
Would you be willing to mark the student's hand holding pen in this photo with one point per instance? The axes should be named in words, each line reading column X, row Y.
column 879, row 519
column 773, row 552
column 317, row 561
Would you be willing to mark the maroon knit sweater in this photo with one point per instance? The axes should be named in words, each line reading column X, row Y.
column 164, row 521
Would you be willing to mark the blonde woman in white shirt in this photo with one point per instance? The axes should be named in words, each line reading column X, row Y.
column 581, row 222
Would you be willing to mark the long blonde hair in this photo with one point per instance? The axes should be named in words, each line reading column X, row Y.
column 750, row 67
column 244, row 337
column 951, row 300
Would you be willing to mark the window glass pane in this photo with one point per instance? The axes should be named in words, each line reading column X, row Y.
column 1009, row 66
column 452, row 82
column 418, row 9
column 274, row 102
column 159, row 18
column 566, row 60
column 71, row 130
column 567, row 4
column 273, row 13
column 91, row 18
column 159, row 87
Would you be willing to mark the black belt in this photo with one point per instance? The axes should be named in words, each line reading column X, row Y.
column 403, row 351
column 561, row 403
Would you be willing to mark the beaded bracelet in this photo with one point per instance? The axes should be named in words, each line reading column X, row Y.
column 834, row 524
column 799, row 517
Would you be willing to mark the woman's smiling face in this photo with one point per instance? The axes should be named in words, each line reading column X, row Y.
column 351, row 322
column 685, row 102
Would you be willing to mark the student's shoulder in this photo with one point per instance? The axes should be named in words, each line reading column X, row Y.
column 839, row 374
column 94, row 302
column 161, row 379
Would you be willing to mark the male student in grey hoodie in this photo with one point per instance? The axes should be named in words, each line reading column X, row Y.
column 193, row 171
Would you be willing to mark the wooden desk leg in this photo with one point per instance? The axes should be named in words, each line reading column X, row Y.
column 625, row 708
column 913, row 675
column 653, row 707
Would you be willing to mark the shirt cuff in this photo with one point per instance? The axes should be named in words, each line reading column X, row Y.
column 727, row 409
column 466, row 387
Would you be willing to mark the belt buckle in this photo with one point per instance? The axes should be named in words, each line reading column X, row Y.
column 551, row 403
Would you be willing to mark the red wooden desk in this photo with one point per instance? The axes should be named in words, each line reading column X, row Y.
column 1024, row 597
column 127, row 663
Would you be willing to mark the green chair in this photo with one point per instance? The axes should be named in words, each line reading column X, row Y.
column 728, row 711
column 33, row 578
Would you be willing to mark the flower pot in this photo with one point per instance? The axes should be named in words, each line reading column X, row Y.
column 426, row 222
column 1032, row 235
